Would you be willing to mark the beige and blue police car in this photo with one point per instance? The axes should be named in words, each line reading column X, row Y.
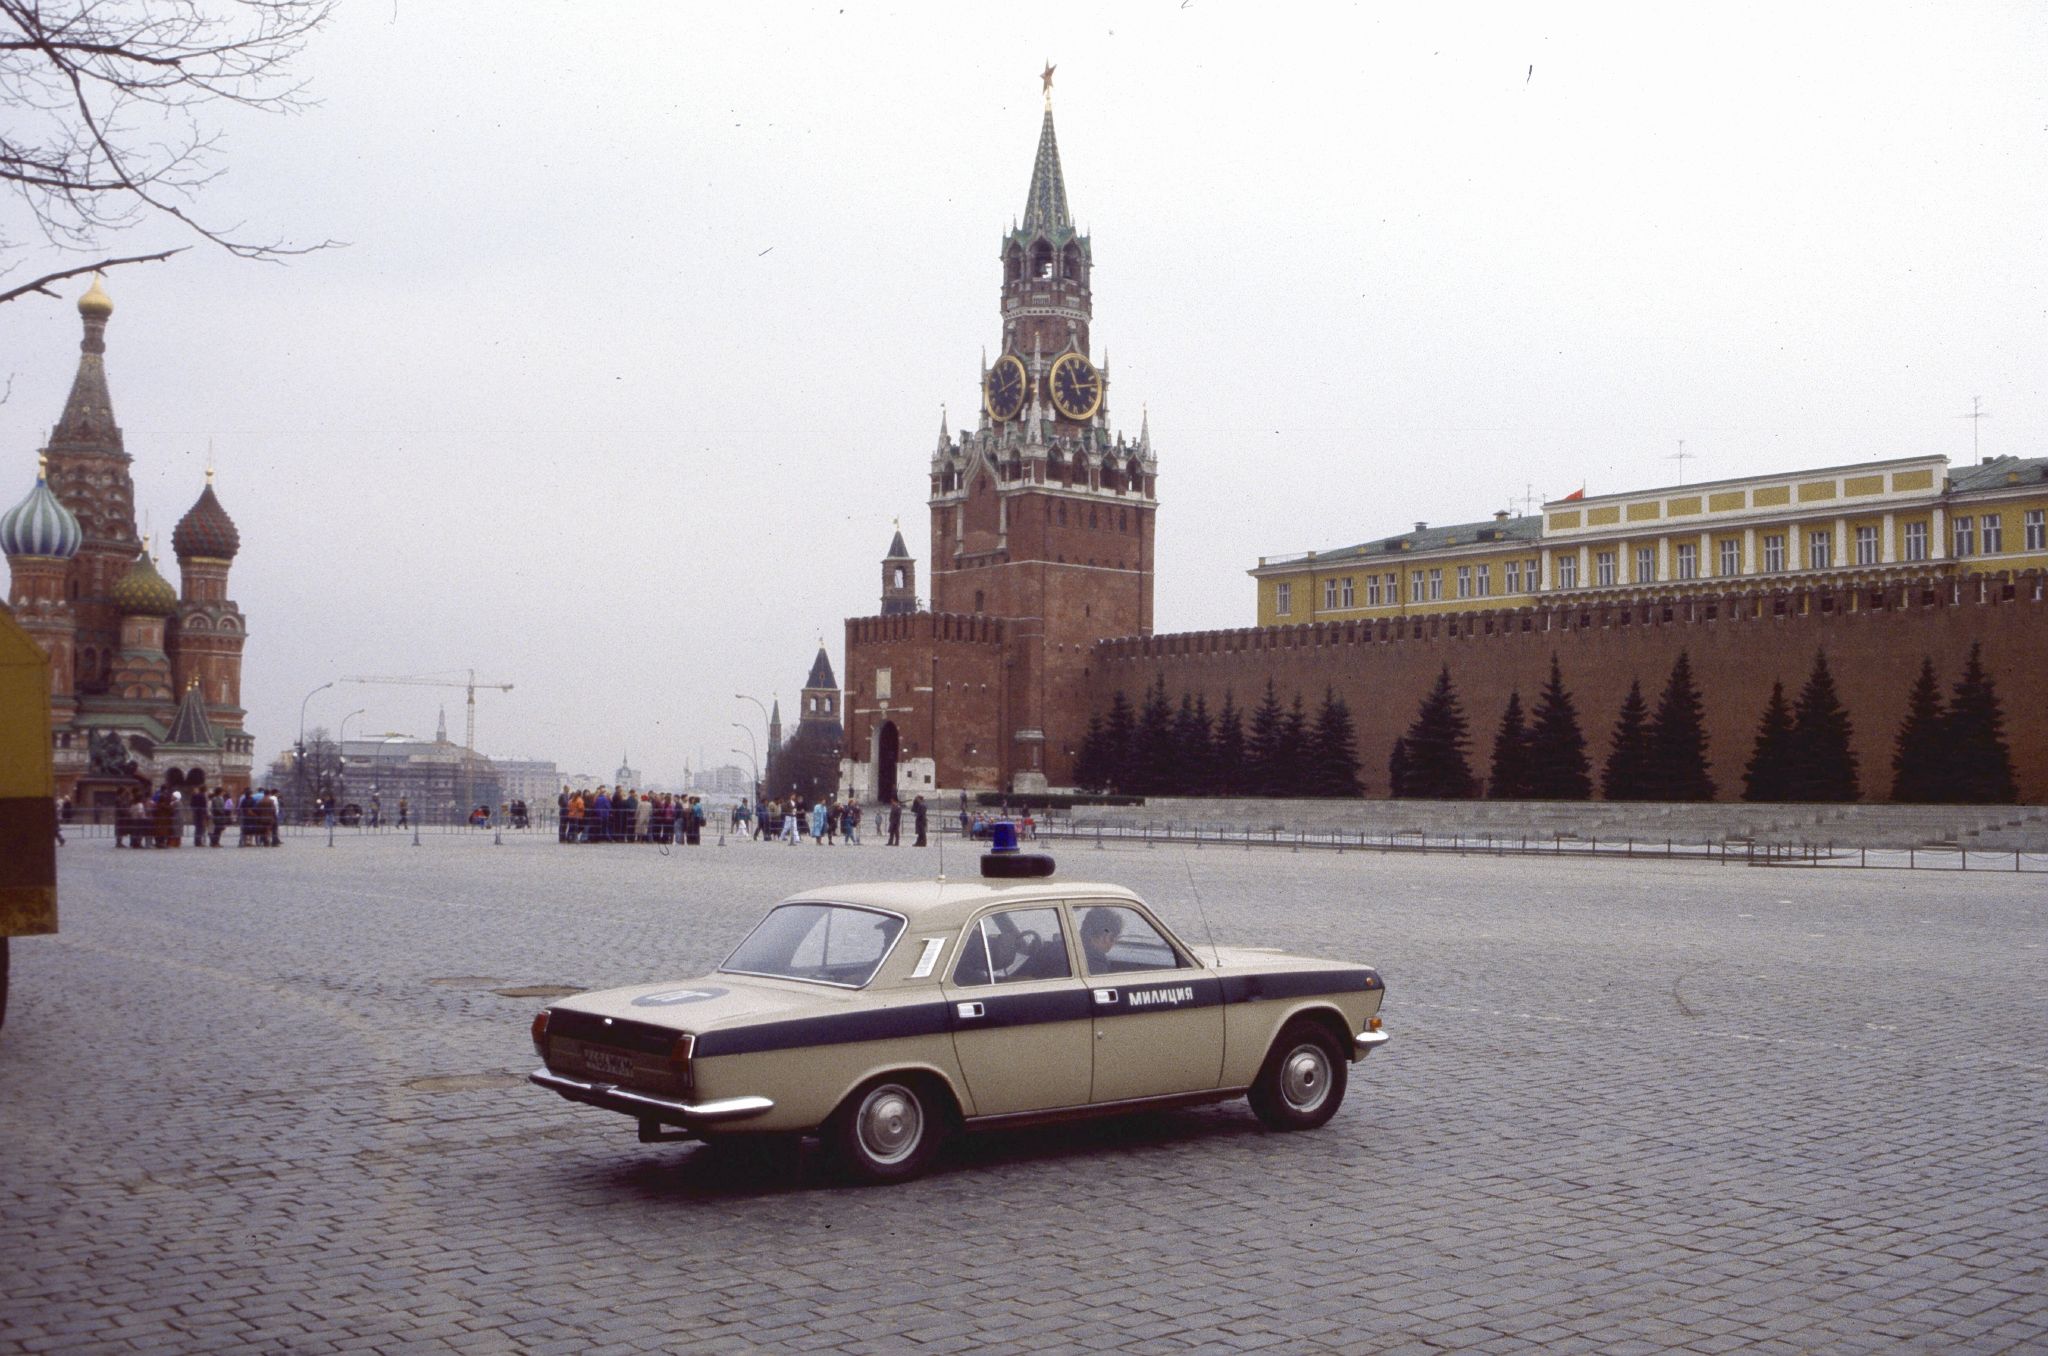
column 888, row 1017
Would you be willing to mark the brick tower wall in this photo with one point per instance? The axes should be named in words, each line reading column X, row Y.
column 1738, row 644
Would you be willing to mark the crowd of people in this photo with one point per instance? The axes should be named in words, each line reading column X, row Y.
column 628, row 815
column 157, row 819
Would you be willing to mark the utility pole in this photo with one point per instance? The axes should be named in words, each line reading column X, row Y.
column 1975, row 416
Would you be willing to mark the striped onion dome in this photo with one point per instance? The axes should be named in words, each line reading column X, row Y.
column 142, row 592
column 40, row 526
column 206, row 530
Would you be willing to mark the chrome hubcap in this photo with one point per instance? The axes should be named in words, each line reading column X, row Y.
column 891, row 1123
column 1305, row 1077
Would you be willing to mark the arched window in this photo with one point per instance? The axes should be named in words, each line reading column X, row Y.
column 1041, row 260
column 1070, row 262
column 979, row 601
column 1056, row 467
column 1013, row 264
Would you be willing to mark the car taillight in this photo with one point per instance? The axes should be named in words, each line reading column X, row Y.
column 540, row 1032
column 679, row 1059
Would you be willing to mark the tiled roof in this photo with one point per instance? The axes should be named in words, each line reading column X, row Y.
column 1997, row 472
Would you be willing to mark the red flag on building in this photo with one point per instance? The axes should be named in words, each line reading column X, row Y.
column 1579, row 493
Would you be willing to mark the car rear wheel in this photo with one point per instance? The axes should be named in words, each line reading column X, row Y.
column 1302, row 1083
column 888, row 1130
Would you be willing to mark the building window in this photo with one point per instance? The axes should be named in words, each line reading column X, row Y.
column 1329, row 595
column 1603, row 569
column 1688, row 560
column 1646, row 564
column 1436, row 586
column 1993, row 529
column 1966, row 536
column 1415, row 586
column 1486, row 581
column 1731, row 557
column 1916, row 541
column 1350, row 594
column 1514, row 579
column 1774, row 553
column 1866, row 546
column 1372, row 590
column 1568, row 570
column 1820, row 549
column 1464, row 581
column 1283, row 600
column 2037, row 529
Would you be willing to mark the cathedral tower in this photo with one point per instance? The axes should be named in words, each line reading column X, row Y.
column 206, row 647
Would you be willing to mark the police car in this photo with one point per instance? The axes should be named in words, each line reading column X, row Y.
column 888, row 1017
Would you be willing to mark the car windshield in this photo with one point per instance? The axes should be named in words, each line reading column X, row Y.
column 823, row 943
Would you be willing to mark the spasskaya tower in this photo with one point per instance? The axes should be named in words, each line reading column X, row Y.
column 1041, row 534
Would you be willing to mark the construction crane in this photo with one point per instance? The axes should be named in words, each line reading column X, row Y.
column 469, row 686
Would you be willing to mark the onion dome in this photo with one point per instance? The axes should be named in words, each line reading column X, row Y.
column 40, row 525
column 142, row 592
column 96, row 302
column 206, row 531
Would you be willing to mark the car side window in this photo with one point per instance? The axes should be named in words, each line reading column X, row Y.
column 1115, row 940
column 1012, row 946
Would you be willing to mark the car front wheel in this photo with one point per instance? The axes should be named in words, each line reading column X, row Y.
column 1302, row 1083
column 888, row 1130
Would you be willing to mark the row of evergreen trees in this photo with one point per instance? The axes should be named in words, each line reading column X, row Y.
column 1946, row 752
column 1953, row 753
column 1158, row 750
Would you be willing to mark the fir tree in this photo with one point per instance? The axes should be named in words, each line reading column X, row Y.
column 1678, row 740
column 1228, row 778
column 1557, row 750
column 1435, row 747
column 1262, row 746
column 1151, row 758
column 1823, row 766
column 1118, row 730
column 1189, row 775
column 1203, row 735
column 1626, row 773
column 1089, row 763
column 1768, row 774
column 1920, row 750
column 1980, row 764
column 1397, row 770
column 1289, row 776
column 1333, row 756
column 1510, row 777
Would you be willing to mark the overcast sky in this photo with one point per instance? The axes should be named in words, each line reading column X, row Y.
column 647, row 312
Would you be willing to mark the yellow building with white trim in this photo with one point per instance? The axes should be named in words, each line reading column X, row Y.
column 1853, row 524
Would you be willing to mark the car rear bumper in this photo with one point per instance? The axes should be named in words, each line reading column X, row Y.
column 1365, row 1043
column 689, row 1115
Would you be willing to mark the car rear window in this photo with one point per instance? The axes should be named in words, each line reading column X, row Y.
column 823, row 943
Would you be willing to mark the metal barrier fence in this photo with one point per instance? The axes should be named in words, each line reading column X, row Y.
column 1727, row 851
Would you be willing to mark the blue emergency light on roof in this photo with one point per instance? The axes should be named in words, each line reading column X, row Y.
column 1005, row 858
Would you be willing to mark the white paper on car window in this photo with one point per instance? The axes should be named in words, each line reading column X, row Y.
column 932, row 947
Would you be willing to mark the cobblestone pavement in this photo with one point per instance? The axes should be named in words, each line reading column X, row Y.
column 272, row 1101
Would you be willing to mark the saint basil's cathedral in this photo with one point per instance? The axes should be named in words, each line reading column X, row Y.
column 145, row 679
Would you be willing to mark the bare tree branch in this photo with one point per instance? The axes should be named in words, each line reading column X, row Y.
column 105, row 102
column 42, row 284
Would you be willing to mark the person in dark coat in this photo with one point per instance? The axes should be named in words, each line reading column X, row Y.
column 198, row 798
column 917, row 815
column 895, row 822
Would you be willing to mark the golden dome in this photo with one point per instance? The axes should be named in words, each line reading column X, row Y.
column 142, row 592
column 96, row 302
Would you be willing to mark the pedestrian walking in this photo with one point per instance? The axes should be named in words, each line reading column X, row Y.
column 792, row 823
column 918, row 811
column 895, row 822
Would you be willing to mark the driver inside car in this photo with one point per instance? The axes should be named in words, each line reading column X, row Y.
column 1100, row 928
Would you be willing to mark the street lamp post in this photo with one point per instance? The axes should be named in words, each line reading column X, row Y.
column 755, row 757
column 299, row 761
column 341, row 757
column 743, row 697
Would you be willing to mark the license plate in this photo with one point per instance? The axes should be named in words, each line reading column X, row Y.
column 605, row 1062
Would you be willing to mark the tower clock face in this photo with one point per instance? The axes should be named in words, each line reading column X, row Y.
column 1076, row 387
column 1003, row 388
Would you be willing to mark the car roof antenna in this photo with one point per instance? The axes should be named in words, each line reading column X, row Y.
column 1202, row 909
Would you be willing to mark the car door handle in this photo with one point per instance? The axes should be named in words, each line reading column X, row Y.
column 1105, row 997
column 970, row 1010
